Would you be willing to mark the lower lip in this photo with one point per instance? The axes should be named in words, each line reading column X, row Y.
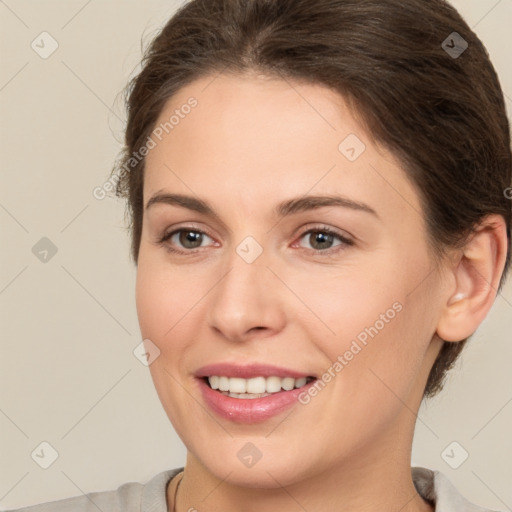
column 250, row 410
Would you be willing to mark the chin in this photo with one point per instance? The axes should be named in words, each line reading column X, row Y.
column 262, row 475
column 240, row 462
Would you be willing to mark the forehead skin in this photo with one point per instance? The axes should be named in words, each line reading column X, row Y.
column 237, row 143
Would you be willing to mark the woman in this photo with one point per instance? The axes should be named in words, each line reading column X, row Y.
column 318, row 195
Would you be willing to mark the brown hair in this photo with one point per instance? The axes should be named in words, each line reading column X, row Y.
column 442, row 114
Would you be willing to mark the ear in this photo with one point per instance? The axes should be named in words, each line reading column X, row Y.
column 477, row 272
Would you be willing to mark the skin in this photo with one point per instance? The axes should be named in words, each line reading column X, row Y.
column 251, row 143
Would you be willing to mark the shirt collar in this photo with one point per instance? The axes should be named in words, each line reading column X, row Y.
column 432, row 486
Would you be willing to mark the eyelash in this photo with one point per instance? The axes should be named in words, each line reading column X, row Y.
column 345, row 242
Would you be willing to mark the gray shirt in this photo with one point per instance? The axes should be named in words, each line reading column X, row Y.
column 151, row 497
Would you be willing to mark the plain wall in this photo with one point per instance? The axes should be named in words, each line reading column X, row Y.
column 67, row 372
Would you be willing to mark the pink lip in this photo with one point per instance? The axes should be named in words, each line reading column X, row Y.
column 248, row 371
column 250, row 410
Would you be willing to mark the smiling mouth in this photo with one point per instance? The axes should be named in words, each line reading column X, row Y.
column 256, row 387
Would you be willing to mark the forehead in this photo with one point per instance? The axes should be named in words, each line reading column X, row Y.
column 258, row 137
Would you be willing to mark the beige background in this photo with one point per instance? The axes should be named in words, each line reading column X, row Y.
column 67, row 371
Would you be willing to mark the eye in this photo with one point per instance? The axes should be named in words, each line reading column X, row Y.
column 187, row 239
column 321, row 240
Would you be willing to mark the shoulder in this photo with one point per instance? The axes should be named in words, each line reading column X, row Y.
column 129, row 497
column 436, row 488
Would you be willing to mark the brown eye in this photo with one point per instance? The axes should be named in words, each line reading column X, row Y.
column 190, row 239
column 184, row 239
column 322, row 240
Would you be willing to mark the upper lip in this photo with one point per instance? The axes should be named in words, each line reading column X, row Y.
column 248, row 371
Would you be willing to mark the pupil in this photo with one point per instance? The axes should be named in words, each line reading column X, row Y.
column 188, row 238
column 322, row 238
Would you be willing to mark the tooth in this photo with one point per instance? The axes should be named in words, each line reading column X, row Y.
column 245, row 396
column 256, row 385
column 273, row 384
column 224, row 383
column 300, row 382
column 288, row 383
column 237, row 385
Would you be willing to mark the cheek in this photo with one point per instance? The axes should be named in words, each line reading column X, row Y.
column 381, row 322
column 151, row 302
column 351, row 302
column 164, row 297
column 162, row 302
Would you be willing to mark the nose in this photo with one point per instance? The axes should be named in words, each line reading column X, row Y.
column 247, row 301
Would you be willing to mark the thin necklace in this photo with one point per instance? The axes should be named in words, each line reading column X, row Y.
column 176, row 490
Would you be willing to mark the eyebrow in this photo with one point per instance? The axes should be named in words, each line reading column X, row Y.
column 284, row 209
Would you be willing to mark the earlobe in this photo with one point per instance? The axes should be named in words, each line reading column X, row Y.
column 477, row 277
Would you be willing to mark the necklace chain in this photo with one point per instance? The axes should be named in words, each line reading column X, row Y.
column 180, row 475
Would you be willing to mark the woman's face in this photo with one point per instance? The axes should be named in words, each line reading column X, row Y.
column 253, row 281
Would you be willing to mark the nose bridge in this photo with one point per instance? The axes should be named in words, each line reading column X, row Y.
column 244, row 298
